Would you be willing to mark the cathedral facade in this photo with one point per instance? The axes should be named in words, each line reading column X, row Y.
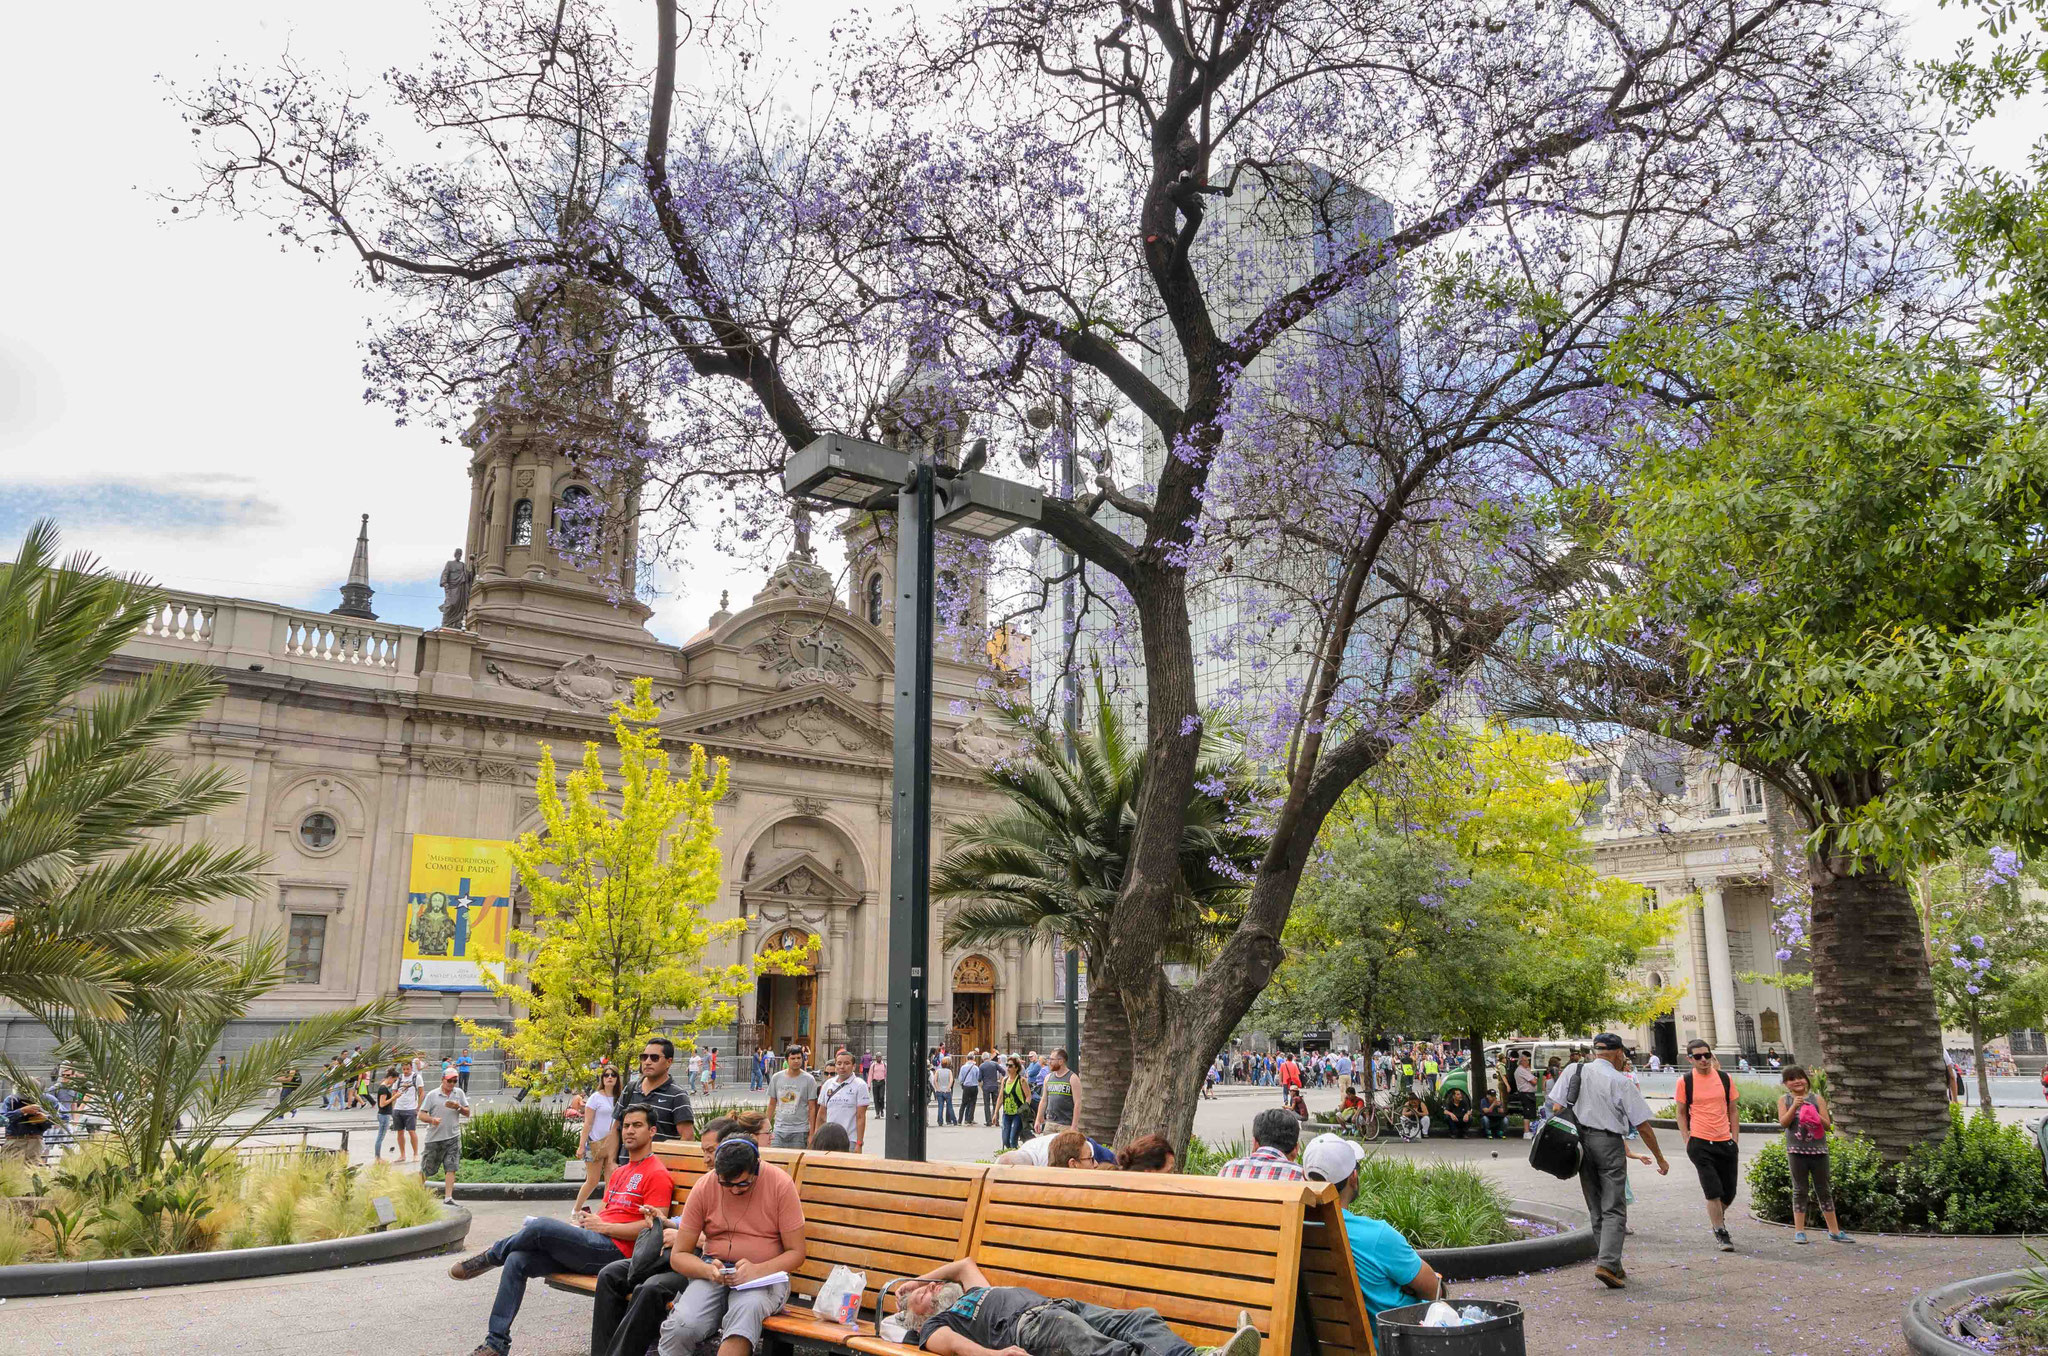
column 357, row 742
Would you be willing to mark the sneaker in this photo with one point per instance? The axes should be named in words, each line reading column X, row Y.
column 1612, row 1279
column 1727, row 1243
column 1243, row 1342
column 1799, row 1236
column 469, row 1268
column 1841, row 1238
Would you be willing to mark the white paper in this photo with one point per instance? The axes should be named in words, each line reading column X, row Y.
column 771, row 1278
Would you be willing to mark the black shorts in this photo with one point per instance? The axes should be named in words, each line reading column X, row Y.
column 1715, row 1160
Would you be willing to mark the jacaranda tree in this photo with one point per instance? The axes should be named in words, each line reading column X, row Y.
column 1335, row 279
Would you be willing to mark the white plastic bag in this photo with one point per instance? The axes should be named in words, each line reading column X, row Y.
column 1442, row 1315
column 839, row 1298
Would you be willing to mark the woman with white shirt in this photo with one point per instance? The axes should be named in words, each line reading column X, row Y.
column 595, row 1146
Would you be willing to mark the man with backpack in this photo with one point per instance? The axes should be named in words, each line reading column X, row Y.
column 1605, row 1105
column 1708, row 1123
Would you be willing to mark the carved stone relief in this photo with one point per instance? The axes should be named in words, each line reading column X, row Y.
column 588, row 683
column 801, row 652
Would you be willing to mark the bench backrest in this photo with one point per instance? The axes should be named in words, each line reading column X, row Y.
column 686, row 1163
column 887, row 1219
column 1197, row 1249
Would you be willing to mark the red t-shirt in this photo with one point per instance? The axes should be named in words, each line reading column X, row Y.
column 641, row 1182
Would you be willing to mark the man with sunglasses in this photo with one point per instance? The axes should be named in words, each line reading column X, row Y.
column 1708, row 1123
column 665, row 1099
column 741, row 1222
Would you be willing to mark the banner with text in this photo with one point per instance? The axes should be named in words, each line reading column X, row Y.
column 461, row 895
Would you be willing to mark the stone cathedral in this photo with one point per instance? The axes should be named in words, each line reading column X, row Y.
column 364, row 748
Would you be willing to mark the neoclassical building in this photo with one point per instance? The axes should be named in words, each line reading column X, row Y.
column 352, row 738
column 1702, row 836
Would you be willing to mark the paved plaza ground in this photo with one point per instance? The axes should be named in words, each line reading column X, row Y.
column 1768, row 1297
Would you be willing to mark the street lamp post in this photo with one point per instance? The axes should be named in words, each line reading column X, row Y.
column 929, row 498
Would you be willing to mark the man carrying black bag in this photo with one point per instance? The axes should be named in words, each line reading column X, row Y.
column 1607, row 1104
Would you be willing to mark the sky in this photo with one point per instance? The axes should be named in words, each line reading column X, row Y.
column 186, row 398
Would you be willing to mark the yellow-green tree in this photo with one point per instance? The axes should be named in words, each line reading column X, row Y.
column 620, row 930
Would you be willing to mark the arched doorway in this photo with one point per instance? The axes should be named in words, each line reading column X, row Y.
column 786, row 1006
column 974, row 1004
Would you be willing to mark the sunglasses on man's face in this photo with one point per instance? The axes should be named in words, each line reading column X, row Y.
column 739, row 1186
column 1702, row 1056
column 652, row 1054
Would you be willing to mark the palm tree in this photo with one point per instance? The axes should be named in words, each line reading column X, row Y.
column 151, row 1068
column 1051, row 867
column 93, row 914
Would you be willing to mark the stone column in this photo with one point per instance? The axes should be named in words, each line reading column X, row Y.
column 1720, row 970
column 494, row 545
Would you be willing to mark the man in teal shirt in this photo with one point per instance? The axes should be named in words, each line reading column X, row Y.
column 1390, row 1273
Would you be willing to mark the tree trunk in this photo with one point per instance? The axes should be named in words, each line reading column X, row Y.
column 1105, row 1060
column 1161, row 1096
column 1977, row 1053
column 1873, row 1001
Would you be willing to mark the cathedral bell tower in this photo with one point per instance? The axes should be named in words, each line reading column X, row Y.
column 554, row 508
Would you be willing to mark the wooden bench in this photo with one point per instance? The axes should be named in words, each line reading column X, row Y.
column 1200, row 1250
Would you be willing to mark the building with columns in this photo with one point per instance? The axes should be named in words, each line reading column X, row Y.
column 350, row 737
column 1707, row 839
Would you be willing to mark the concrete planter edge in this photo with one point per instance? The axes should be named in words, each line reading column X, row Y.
column 518, row 1191
column 1926, row 1317
column 193, row 1268
column 1574, row 1242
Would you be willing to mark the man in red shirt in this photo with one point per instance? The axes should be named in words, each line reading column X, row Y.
column 637, row 1195
column 1290, row 1077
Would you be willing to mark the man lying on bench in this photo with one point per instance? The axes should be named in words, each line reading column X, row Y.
column 954, row 1311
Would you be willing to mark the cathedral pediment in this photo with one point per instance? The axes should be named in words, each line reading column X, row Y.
column 801, row 879
column 814, row 723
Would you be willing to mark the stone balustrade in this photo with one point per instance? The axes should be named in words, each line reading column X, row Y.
column 240, row 633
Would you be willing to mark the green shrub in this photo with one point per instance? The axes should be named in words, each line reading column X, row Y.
column 516, row 1165
column 526, row 1129
column 1434, row 1205
column 1865, row 1187
column 1984, row 1177
column 1204, row 1158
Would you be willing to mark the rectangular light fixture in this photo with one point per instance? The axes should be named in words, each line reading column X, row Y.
column 843, row 471
column 977, row 505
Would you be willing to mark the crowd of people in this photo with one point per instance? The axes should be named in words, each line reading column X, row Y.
column 673, row 1274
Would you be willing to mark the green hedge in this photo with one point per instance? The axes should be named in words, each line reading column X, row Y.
column 1983, row 1177
column 514, row 1165
column 526, row 1129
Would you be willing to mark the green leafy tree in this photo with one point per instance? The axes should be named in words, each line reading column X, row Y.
column 1829, row 573
column 1457, row 895
column 1052, row 865
column 1987, row 946
column 621, row 930
column 95, row 916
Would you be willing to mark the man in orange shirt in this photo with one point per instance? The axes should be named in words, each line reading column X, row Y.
column 741, row 1224
column 1707, row 1122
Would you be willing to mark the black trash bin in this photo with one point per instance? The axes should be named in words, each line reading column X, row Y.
column 1400, row 1331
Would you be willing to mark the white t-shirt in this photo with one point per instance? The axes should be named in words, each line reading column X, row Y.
column 842, row 1099
column 408, row 1087
column 1035, row 1149
column 600, row 1108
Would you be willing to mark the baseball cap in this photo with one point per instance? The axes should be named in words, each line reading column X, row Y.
column 1331, row 1158
column 1607, row 1040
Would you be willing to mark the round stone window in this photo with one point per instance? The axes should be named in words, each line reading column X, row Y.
column 318, row 830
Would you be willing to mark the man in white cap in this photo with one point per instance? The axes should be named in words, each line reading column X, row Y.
column 1390, row 1273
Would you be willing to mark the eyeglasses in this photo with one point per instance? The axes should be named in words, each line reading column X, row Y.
column 652, row 1054
column 1703, row 1056
column 738, row 1188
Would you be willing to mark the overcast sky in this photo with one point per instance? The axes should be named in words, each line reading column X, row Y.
column 185, row 398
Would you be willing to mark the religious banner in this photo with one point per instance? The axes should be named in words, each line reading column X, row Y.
column 461, row 895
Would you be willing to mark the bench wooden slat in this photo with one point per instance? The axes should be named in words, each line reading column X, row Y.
column 1106, row 1224
column 1193, row 1253
column 1201, row 1322
column 573, row 1283
column 1164, row 1209
column 888, row 1221
column 893, row 1179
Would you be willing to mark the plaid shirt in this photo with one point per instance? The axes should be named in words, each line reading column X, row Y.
column 1263, row 1164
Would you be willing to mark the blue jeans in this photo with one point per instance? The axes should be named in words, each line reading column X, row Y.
column 944, row 1114
column 544, row 1246
column 1013, row 1129
column 383, row 1124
